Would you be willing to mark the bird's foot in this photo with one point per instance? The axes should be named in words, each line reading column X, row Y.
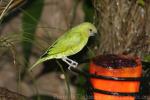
column 70, row 62
column 73, row 64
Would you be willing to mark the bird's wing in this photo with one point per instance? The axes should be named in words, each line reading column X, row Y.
column 56, row 42
column 64, row 46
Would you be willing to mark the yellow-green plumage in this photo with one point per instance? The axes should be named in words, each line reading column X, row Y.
column 69, row 44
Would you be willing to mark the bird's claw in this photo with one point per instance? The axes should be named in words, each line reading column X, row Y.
column 73, row 64
column 70, row 62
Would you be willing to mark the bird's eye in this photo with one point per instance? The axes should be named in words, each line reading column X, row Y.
column 90, row 30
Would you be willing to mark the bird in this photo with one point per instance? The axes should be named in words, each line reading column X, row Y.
column 70, row 43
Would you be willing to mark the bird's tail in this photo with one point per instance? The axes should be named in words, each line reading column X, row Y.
column 38, row 62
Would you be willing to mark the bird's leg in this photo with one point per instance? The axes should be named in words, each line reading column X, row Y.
column 70, row 62
column 74, row 63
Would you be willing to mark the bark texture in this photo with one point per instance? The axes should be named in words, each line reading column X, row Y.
column 124, row 26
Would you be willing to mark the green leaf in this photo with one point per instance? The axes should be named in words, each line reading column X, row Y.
column 88, row 9
column 147, row 58
column 30, row 19
column 141, row 2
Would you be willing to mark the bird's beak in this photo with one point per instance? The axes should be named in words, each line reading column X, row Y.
column 93, row 34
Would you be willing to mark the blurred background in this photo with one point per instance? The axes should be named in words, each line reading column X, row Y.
column 29, row 27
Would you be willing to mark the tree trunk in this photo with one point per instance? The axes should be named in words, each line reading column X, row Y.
column 124, row 26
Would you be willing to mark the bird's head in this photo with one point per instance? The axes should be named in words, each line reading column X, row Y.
column 89, row 28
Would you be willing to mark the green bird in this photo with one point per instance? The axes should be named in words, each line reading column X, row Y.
column 70, row 43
